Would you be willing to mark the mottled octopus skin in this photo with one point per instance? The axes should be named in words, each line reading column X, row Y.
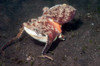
column 47, row 27
column 61, row 13
column 46, row 31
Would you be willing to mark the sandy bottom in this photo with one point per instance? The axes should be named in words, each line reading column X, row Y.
column 82, row 44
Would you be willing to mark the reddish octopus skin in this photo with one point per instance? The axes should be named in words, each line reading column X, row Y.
column 61, row 13
column 48, row 28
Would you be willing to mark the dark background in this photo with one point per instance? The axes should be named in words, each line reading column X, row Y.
column 82, row 44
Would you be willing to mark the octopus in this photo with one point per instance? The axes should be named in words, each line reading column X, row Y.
column 47, row 27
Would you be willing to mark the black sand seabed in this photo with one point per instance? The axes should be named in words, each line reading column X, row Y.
column 82, row 44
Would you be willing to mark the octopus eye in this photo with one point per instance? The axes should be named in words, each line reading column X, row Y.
column 29, row 20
